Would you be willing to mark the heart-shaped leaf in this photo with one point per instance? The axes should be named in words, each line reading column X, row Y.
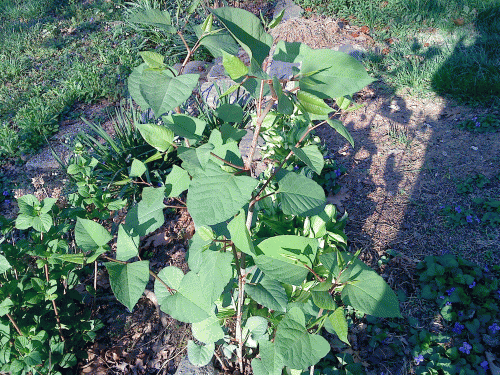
column 128, row 281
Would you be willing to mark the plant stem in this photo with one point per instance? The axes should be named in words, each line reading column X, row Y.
column 14, row 324
column 228, row 163
column 241, row 298
column 46, row 268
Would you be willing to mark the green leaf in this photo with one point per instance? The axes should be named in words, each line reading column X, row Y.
column 152, row 59
column 69, row 360
column 323, row 300
column 208, row 331
column 275, row 22
column 285, row 257
column 257, row 326
column 157, row 136
column 338, row 323
column 295, row 345
column 300, row 195
column 240, row 235
column 128, row 281
column 268, row 293
column 195, row 254
column 191, row 303
column 146, row 216
column 71, row 258
column 270, row 362
column 185, row 126
column 27, row 204
column 153, row 17
column 341, row 129
column 5, row 306
column 206, row 233
column 215, row 196
column 247, row 30
column 134, row 82
column 177, row 181
column 172, row 276
column 338, row 74
column 137, row 168
column 285, row 104
column 215, row 272
column 230, row 113
column 369, row 293
column 47, row 205
column 234, row 66
column 312, row 104
column 90, row 235
column 195, row 159
column 24, row 221
column 200, row 355
column 163, row 92
column 228, row 151
column 217, row 42
column 311, row 156
column 4, row 264
column 42, row 223
column 293, row 52
column 127, row 245
column 230, row 132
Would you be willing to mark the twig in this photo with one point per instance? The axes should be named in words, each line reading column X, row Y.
column 14, row 324
column 46, row 268
column 241, row 297
column 229, row 163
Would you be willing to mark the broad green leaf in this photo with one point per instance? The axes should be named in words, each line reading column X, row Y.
column 153, row 17
column 229, row 113
column 336, row 261
column 69, row 360
column 293, row 52
column 200, row 355
column 300, row 195
column 163, row 92
column 5, row 306
column 128, row 281
column 336, row 321
column 311, row 156
column 177, row 181
column 146, row 216
column 152, row 59
column 285, row 104
column 42, row 223
column 185, row 126
column 90, row 235
column 192, row 301
column 257, row 326
column 193, row 6
column 275, row 22
column 134, row 82
column 230, row 90
column 312, row 104
column 215, row 272
column 208, row 331
column 47, row 205
column 230, row 132
column 157, row 136
column 228, row 151
column 208, row 23
column 215, row 196
column 240, row 235
column 195, row 254
column 172, row 276
column 253, row 85
column 4, row 264
column 195, row 159
column 127, row 245
column 285, row 258
column 247, row 30
column 268, row 293
column 234, row 66
column 343, row 102
column 338, row 74
column 341, row 129
column 206, row 233
column 368, row 292
column 27, row 204
column 270, row 362
column 217, row 41
column 24, row 221
column 71, row 258
column 137, row 168
column 33, row 358
column 323, row 300
column 295, row 345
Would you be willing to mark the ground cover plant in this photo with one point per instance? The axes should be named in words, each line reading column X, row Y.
column 447, row 47
column 55, row 54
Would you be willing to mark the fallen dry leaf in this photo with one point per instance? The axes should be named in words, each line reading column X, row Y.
column 458, row 21
column 365, row 29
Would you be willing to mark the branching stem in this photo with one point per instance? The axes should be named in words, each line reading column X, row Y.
column 14, row 324
column 46, row 268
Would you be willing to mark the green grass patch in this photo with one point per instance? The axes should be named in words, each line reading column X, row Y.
column 447, row 47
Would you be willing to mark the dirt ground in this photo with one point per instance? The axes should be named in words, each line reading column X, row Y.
column 408, row 157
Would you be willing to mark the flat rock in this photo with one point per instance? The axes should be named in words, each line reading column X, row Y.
column 291, row 9
column 186, row 368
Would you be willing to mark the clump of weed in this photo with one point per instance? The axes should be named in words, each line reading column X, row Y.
column 484, row 124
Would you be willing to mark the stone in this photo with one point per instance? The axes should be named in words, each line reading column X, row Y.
column 186, row 368
column 282, row 70
column 291, row 9
column 354, row 52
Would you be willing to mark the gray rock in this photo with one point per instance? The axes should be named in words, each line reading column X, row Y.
column 282, row 70
column 291, row 9
column 186, row 368
column 208, row 91
column 354, row 52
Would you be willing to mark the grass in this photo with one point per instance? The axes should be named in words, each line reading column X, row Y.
column 53, row 55
column 450, row 47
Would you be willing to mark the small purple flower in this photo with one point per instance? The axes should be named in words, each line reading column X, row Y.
column 458, row 328
column 450, row 291
column 441, row 297
column 448, row 303
column 159, row 184
column 338, row 173
column 460, row 313
column 477, row 220
column 419, row 359
column 5, row 193
column 7, row 201
column 458, row 209
column 472, row 285
column 465, row 348
column 484, row 365
column 296, row 168
column 494, row 328
column 469, row 218
column 441, row 207
column 92, row 19
column 486, row 269
column 477, row 124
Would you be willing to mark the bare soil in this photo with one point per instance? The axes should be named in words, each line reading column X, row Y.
column 408, row 157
